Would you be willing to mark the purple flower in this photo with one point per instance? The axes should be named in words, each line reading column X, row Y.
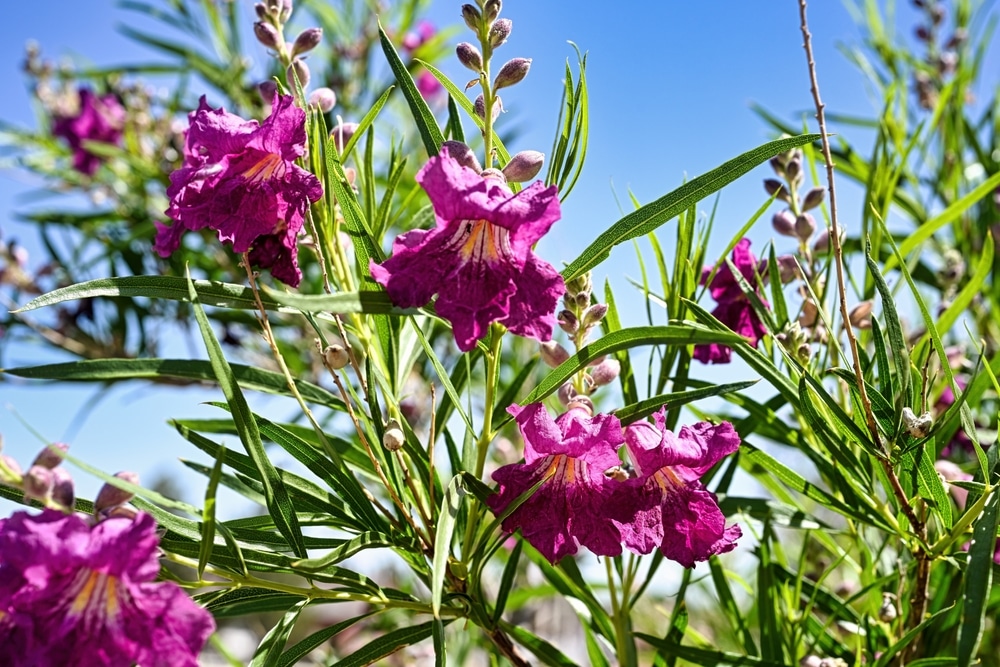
column 73, row 594
column 99, row 119
column 240, row 179
column 478, row 259
column 428, row 85
column 666, row 505
column 568, row 456
column 733, row 309
column 425, row 31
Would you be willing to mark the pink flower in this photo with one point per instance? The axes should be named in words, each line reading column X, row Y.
column 240, row 179
column 428, row 85
column 569, row 456
column 478, row 259
column 666, row 506
column 99, row 119
column 733, row 309
column 414, row 40
column 77, row 595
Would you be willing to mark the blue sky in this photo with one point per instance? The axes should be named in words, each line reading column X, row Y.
column 671, row 85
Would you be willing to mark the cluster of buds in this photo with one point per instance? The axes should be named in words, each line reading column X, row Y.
column 795, row 221
column 578, row 318
column 269, row 31
column 796, row 341
column 492, row 32
column 941, row 59
column 522, row 167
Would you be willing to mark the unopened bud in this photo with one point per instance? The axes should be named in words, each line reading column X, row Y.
column 307, row 40
column 918, row 427
column 552, row 353
column 784, row 223
column 62, row 488
column 342, row 133
column 861, row 316
column 778, row 165
column 568, row 322
column 323, row 98
column 774, row 187
column 524, row 166
column 605, row 372
column 500, row 31
column 922, row 33
column 582, row 403
column 480, row 107
column 393, row 438
column 822, row 244
column 813, row 198
column 335, row 355
column 492, row 10
column 513, row 71
column 111, row 496
column 298, row 71
column 266, row 34
column 461, row 153
column 788, row 269
column 887, row 612
column 49, row 457
column 10, row 471
column 268, row 90
column 469, row 56
column 805, row 226
column 803, row 353
column 493, row 172
column 286, row 10
column 261, row 10
column 793, row 169
column 472, row 17
column 37, row 483
column 566, row 393
column 580, row 285
column 594, row 314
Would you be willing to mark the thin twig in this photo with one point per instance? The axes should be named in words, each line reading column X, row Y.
column 919, row 599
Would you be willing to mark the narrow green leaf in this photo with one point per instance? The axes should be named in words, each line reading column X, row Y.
column 507, row 580
column 426, row 124
column 355, row 545
column 978, row 580
column 278, row 503
column 729, row 606
column 297, row 653
column 447, row 517
column 644, row 408
column 897, row 343
column 364, row 124
column 208, row 514
column 268, row 653
column 707, row 657
column 652, row 215
column 373, row 303
column 387, row 644
column 543, row 650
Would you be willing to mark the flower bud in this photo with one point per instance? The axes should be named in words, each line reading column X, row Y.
column 580, row 285
column 480, row 107
column 261, row 10
column 784, row 223
column 268, row 90
column 335, row 354
column 552, row 353
column 323, row 98
column 491, row 10
column 594, row 314
column 524, row 166
column 805, row 226
column 500, row 31
column 810, row 314
column 775, row 187
column 469, row 56
column 48, row 457
column 462, row 154
column 822, row 244
column 788, row 269
column 266, row 34
column 887, row 612
column 111, row 496
column 918, row 427
column 566, row 393
column 605, row 372
column 37, row 483
column 793, row 169
column 813, row 198
column 286, row 10
column 861, row 316
column 568, row 322
column 778, row 165
column 472, row 17
column 10, row 471
column 393, row 438
column 493, row 172
column 62, row 488
column 513, row 71
column 298, row 70
column 307, row 40
column 581, row 403
column 342, row 133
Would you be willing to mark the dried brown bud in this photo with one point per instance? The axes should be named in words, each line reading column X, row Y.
column 469, row 56
column 512, row 72
column 918, row 427
column 524, row 166
column 813, row 198
column 307, row 40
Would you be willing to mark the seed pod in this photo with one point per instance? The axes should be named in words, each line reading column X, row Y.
column 469, row 56
column 512, row 72
column 307, row 40
column 335, row 354
column 393, row 438
column 524, row 166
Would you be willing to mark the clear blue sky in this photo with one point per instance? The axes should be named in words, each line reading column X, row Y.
column 671, row 84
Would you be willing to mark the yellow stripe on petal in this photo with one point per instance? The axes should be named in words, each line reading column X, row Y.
column 264, row 169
